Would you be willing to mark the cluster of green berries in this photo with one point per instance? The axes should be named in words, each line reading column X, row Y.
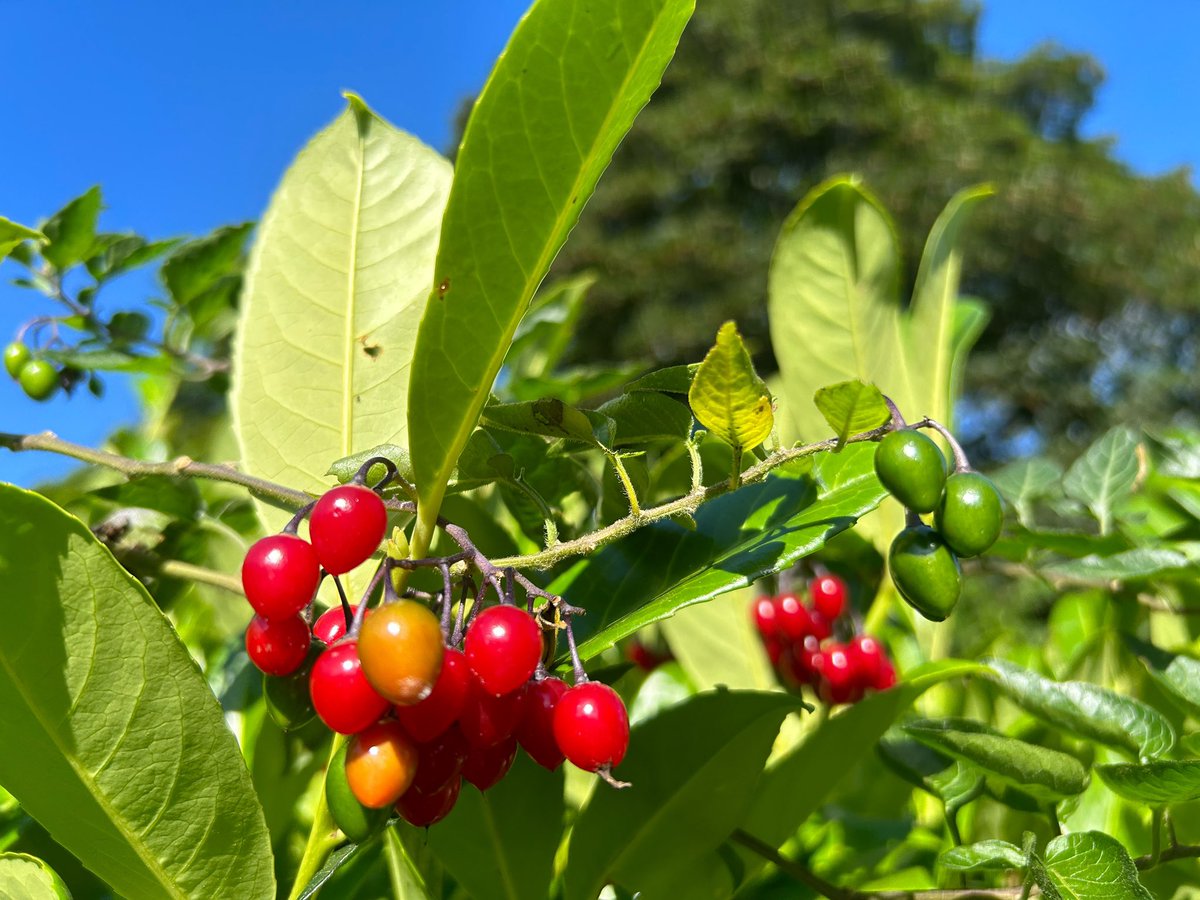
column 421, row 717
column 798, row 639
column 967, row 517
column 38, row 378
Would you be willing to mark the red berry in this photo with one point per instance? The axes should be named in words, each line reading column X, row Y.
column 278, row 646
column 838, row 676
column 798, row 661
column 795, row 621
column 822, row 628
column 642, row 656
column 437, row 712
column 536, row 732
column 775, row 647
column 867, row 658
column 401, row 650
column 331, row 624
column 766, row 618
column 591, row 726
column 341, row 694
column 422, row 810
column 487, row 720
column 280, row 574
column 347, row 526
column 503, row 646
column 828, row 594
column 440, row 760
column 485, row 766
column 886, row 677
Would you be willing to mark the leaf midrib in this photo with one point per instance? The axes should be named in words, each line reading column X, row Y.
column 351, row 294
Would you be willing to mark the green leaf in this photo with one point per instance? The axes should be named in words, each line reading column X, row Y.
column 788, row 793
column 179, row 498
column 338, row 276
column 693, row 768
column 951, row 781
column 24, row 877
column 112, row 739
column 1104, row 474
column 851, row 407
column 738, row 538
column 716, row 644
column 983, row 855
column 671, row 380
column 12, row 234
column 1177, row 674
column 1038, row 771
column 71, row 231
column 1025, row 480
column 1139, row 563
column 551, row 418
column 646, row 417
column 562, row 96
column 113, row 254
column 1158, row 783
column 727, row 396
column 501, row 844
column 109, row 360
column 970, row 319
column 1090, row 865
column 342, row 856
column 543, row 335
column 197, row 266
column 1086, row 709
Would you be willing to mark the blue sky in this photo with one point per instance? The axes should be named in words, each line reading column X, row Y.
column 188, row 114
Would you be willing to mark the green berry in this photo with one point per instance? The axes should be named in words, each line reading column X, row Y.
column 912, row 468
column 356, row 821
column 925, row 571
column 38, row 379
column 288, row 699
column 16, row 355
column 970, row 515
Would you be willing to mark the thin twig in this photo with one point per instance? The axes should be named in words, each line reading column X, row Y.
column 175, row 568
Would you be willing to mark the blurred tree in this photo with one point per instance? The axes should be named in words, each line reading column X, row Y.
column 1091, row 270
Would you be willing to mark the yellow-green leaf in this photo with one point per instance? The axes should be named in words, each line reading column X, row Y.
column 728, row 397
column 851, row 407
column 12, row 234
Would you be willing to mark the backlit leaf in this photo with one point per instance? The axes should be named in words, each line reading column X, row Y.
column 727, row 396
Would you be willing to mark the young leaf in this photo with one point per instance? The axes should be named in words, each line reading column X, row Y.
column 983, row 856
column 1038, row 771
column 1090, row 865
column 1025, row 480
column 738, row 538
column 727, row 396
column 1104, row 474
column 340, row 270
column 647, row 417
column 12, row 234
column 1086, row 709
column 112, row 739
column 551, row 418
column 1157, row 783
column 671, row 380
column 500, row 845
column 198, row 265
column 71, row 231
column 693, row 768
column 562, row 96
column 851, row 407
column 29, row 878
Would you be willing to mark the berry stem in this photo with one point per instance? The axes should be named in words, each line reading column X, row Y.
column 347, row 612
column 447, row 601
column 961, row 463
column 897, row 422
column 576, row 662
column 322, row 836
column 293, row 524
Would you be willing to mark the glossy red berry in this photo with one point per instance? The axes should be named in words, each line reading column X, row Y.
column 278, row 646
column 331, row 624
column 798, row 661
column 775, row 647
column 485, row 766
column 487, row 720
column 503, row 647
column 822, row 628
column 341, row 694
column 440, row 760
column 591, row 726
column 280, row 575
column 441, row 709
column 401, row 650
column 422, row 810
column 347, row 525
column 838, row 675
column 828, row 594
column 867, row 657
column 886, row 677
column 766, row 617
column 536, row 732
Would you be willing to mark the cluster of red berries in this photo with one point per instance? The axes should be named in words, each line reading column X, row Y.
column 422, row 716
column 798, row 639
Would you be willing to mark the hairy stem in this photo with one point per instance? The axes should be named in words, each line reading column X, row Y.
column 174, row 568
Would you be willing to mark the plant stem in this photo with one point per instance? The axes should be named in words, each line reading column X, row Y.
column 635, row 511
column 285, row 497
column 1168, row 854
column 175, row 568
column 322, row 837
column 1156, row 819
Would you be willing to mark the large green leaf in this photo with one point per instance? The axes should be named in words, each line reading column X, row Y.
column 112, row 739
column 339, row 273
column 1038, row 771
column 1087, row 710
column 1157, row 783
column 12, row 234
column 1104, row 474
column 500, row 845
column 716, row 644
column 738, row 538
column 1090, row 865
column 693, row 769
column 24, row 877
column 562, row 96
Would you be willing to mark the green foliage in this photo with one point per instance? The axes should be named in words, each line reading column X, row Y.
column 851, row 407
column 13, row 234
column 727, row 396
column 28, row 878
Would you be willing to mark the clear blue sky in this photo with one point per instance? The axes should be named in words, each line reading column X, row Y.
column 188, row 114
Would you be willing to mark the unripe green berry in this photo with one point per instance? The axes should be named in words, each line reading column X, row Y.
column 925, row 571
column 39, row 379
column 356, row 821
column 970, row 515
column 16, row 355
column 912, row 468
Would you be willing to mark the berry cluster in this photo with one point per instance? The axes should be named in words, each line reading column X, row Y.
column 923, row 561
column 38, row 378
column 798, row 637
column 423, row 708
